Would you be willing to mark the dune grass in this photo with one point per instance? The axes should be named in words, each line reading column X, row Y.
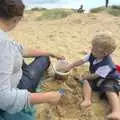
column 38, row 9
column 113, row 10
column 54, row 14
column 98, row 9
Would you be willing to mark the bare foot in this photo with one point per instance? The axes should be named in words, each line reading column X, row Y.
column 114, row 116
column 85, row 103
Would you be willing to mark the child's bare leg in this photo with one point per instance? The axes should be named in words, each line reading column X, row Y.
column 86, row 94
column 115, row 104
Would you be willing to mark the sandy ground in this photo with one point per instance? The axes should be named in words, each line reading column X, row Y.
column 70, row 37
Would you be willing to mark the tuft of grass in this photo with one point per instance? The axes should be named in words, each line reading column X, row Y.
column 97, row 10
column 54, row 14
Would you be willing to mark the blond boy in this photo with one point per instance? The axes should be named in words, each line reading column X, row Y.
column 103, row 76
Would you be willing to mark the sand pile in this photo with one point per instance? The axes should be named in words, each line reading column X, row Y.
column 69, row 106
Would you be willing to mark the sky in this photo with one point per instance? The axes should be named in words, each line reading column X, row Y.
column 88, row 4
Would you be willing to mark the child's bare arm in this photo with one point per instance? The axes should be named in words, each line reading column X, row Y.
column 77, row 63
column 74, row 64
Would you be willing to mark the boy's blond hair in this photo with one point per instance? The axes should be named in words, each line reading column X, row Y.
column 105, row 42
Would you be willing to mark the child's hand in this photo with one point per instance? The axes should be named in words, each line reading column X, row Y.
column 54, row 97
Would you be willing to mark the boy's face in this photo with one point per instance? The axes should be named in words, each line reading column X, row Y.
column 98, row 52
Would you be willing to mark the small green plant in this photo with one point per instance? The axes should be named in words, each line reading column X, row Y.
column 54, row 14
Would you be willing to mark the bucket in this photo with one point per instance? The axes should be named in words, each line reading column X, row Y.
column 60, row 74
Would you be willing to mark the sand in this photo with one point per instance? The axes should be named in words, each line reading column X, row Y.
column 71, row 38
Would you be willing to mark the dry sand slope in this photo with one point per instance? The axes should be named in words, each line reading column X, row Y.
column 70, row 37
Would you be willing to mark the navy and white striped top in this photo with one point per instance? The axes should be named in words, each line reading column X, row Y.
column 105, row 67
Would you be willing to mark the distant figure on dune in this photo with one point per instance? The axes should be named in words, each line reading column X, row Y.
column 106, row 3
column 80, row 10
